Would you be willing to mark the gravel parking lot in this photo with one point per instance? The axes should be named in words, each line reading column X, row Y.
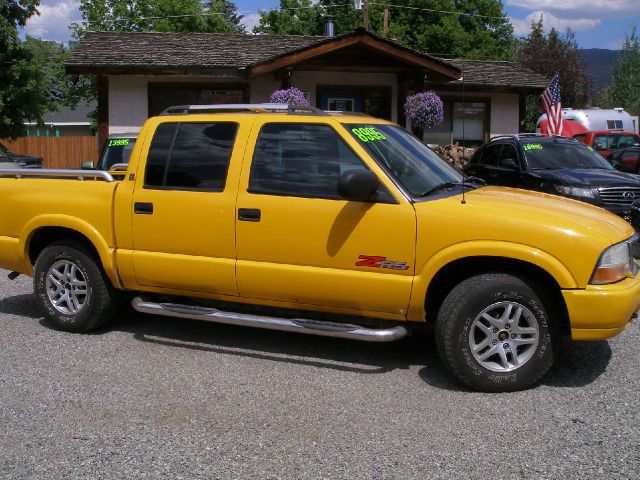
column 153, row 397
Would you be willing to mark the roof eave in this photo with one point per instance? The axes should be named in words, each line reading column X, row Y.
column 215, row 71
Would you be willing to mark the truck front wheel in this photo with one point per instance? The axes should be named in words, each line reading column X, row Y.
column 72, row 289
column 494, row 333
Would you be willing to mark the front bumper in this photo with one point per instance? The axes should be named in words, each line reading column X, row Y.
column 602, row 311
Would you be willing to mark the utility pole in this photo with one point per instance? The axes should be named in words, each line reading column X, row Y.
column 365, row 13
column 386, row 23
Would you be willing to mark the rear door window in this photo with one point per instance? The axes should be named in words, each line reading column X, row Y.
column 190, row 156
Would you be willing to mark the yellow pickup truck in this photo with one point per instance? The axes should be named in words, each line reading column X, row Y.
column 326, row 223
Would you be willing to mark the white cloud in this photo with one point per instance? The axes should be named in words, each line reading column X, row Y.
column 250, row 21
column 54, row 20
column 597, row 7
column 522, row 26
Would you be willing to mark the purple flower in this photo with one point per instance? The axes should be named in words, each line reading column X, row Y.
column 425, row 109
column 292, row 96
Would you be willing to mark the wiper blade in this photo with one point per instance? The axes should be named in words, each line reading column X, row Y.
column 477, row 180
column 442, row 186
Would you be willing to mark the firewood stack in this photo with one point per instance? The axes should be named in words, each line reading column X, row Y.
column 455, row 154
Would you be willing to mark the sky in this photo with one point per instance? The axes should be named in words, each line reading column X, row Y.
column 596, row 23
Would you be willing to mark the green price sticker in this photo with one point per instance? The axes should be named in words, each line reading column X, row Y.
column 368, row 134
column 532, row 146
column 118, row 142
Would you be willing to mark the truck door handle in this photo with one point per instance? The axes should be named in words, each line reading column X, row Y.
column 249, row 214
column 143, row 208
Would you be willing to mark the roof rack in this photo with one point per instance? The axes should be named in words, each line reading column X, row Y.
column 290, row 109
column 516, row 136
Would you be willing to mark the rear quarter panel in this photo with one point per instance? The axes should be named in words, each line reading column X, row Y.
column 29, row 204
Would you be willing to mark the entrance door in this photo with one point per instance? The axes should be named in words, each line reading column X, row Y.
column 299, row 243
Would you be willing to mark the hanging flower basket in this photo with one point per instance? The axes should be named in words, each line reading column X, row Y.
column 424, row 109
column 292, row 96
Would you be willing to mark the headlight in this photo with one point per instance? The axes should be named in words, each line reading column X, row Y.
column 574, row 191
column 614, row 264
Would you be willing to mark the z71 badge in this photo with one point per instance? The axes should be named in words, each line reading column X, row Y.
column 380, row 262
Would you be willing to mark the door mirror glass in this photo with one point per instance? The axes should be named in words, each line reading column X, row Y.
column 508, row 163
column 598, row 146
column 87, row 165
column 357, row 185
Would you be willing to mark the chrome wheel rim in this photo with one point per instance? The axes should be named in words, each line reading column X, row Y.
column 66, row 287
column 504, row 336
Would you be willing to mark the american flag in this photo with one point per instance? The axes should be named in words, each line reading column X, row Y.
column 552, row 106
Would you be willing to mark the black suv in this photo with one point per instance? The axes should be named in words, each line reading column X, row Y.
column 558, row 165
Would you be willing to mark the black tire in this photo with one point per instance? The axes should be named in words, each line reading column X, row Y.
column 462, row 321
column 79, row 312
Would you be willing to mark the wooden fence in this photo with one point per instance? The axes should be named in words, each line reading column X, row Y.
column 57, row 152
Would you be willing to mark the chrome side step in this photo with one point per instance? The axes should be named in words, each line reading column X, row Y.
column 301, row 325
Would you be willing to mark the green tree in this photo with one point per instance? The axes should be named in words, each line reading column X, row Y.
column 473, row 29
column 21, row 83
column 294, row 17
column 548, row 54
column 625, row 85
column 159, row 15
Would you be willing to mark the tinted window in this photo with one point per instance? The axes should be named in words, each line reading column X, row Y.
column 508, row 157
column 300, row 160
column 196, row 157
column 117, row 150
column 159, row 154
column 491, row 155
column 556, row 155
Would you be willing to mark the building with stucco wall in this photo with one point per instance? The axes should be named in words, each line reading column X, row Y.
column 141, row 74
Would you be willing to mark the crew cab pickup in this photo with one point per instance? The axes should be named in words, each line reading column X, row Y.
column 333, row 224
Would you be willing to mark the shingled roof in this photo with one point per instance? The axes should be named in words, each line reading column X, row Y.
column 236, row 55
column 181, row 51
column 496, row 75
column 223, row 54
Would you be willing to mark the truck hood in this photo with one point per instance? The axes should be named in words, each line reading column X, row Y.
column 573, row 232
column 589, row 177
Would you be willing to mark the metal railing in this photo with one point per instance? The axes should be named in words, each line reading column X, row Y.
column 56, row 173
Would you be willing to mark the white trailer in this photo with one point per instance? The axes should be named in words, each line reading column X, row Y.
column 599, row 119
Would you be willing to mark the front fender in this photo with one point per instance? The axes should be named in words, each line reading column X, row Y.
column 97, row 239
column 483, row 248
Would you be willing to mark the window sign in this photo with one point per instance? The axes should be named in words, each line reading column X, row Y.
column 341, row 104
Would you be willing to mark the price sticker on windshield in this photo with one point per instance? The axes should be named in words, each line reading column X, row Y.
column 118, row 142
column 368, row 134
column 531, row 146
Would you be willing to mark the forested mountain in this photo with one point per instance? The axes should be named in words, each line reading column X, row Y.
column 600, row 62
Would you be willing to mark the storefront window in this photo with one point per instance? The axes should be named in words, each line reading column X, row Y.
column 164, row 96
column 469, row 123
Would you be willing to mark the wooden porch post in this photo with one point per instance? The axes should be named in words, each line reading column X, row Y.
column 103, row 110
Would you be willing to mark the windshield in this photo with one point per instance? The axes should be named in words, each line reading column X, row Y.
column 117, row 150
column 417, row 168
column 554, row 155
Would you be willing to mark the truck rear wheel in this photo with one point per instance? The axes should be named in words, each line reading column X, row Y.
column 72, row 289
column 494, row 333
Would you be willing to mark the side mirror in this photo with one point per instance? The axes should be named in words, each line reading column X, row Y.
column 357, row 185
column 87, row 165
column 509, row 163
column 598, row 146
